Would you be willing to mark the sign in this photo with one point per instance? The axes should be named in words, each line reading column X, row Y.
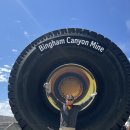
column 72, row 40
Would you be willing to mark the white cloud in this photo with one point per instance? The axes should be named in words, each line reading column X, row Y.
column 129, row 59
column 5, row 109
column 5, row 70
column 14, row 50
column 26, row 33
column 7, row 66
column 3, row 78
column 128, row 24
column 4, row 73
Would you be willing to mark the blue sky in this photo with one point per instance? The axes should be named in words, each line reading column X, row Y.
column 22, row 21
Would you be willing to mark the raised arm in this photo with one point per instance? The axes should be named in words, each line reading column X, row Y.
column 88, row 101
column 48, row 91
column 56, row 101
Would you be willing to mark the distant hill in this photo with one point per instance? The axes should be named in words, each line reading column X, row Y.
column 6, row 121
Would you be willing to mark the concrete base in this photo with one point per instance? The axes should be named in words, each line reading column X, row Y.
column 13, row 126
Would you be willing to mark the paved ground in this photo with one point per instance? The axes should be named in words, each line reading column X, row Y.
column 5, row 121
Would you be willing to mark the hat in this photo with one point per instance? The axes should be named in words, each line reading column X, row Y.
column 69, row 97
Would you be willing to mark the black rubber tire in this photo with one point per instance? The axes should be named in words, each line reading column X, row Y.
column 110, row 67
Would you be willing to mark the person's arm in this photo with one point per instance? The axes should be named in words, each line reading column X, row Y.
column 56, row 101
column 88, row 101
column 48, row 91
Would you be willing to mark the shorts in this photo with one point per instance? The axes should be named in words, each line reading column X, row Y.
column 67, row 128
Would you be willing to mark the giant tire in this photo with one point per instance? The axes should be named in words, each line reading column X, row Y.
column 110, row 67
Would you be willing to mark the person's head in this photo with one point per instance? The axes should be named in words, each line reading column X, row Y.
column 69, row 100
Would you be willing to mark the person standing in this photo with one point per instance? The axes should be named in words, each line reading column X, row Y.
column 68, row 110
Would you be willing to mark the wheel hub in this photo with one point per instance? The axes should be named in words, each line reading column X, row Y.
column 71, row 79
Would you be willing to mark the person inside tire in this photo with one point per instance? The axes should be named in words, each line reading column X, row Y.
column 69, row 111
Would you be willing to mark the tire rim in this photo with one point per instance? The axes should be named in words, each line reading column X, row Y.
column 72, row 79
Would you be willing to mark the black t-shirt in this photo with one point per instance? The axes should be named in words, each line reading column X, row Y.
column 69, row 117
